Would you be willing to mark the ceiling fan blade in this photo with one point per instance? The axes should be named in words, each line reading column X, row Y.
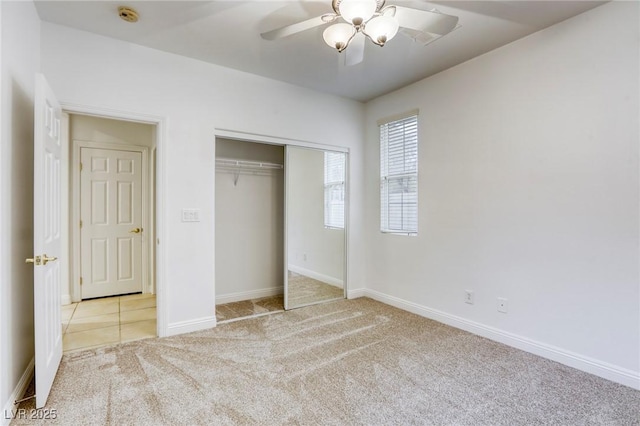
column 419, row 36
column 425, row 21
column 294, row 28
column 354, row 53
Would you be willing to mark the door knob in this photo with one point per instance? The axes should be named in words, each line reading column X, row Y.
column 136, row 231
column 34, row 260
column 46, row 259
column 41, row 260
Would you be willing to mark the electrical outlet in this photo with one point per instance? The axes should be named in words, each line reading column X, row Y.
column 502, row 305
column 468, row 297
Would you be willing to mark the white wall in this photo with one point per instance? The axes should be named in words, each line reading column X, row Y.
column 249, row 225
column 528, row 190
column 313, row 250
column 195, row 98
column 20, row 46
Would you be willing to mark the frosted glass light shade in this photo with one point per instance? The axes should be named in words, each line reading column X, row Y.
column 358, row 10
column 382, row 29
column 339, row 35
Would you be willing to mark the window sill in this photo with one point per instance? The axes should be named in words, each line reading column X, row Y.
column 408, row 234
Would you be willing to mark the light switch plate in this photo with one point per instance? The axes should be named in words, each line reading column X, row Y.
column 191, row 215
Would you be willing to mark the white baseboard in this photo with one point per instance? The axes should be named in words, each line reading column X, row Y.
column 358, row 292
column 317, row 276
column 18, row 392
column 246, row 295
column 65, row 299
column 182, row 327
column 589, row 365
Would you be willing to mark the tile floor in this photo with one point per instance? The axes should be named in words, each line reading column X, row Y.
column 108, row 321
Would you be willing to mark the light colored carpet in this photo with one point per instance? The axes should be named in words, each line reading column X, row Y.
column 340, row 363
column 304, row 290
column 246, row 308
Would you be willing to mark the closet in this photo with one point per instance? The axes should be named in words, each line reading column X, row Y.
column 280, row 228
column 249, row 227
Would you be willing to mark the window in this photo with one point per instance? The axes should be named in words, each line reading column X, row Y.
column 334, row 172
column 399, row 175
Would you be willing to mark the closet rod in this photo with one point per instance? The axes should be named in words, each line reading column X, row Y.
column 245, row 164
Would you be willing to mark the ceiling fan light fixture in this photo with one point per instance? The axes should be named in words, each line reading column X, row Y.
column 381, row 29
column 361, row 19
column 338, row 36
column 357, row 11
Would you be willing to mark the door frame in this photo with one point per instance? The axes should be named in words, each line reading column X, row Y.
column 147, row 219
column 284, row 142
column 160, row 187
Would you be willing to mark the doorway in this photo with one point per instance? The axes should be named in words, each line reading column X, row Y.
column 112, row 231
column 281, row 241
column 249, row 222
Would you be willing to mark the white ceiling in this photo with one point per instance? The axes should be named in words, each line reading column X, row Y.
column 227, row 33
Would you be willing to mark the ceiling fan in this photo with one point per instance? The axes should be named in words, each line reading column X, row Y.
column 353, row 21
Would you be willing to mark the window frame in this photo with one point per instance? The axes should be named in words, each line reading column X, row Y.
column 331, row 187
column 404, row 159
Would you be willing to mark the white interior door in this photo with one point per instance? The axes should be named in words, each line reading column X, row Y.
column 46, row 238
column 111, row 222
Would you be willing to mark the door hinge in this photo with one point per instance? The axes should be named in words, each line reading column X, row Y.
column 80, row 280
column 80, row 224
column 80, row 166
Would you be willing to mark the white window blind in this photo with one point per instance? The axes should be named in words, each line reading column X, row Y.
column 334, row 173
column 399, row 176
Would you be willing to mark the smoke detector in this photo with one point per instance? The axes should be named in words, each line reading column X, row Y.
column 128, row 14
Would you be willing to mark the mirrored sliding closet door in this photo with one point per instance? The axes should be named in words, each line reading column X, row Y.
column 316, row 206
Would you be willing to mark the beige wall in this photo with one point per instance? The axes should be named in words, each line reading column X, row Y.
column 104, row 130
column 249, row 247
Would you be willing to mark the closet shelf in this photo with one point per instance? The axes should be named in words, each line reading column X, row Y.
column 238, row 167
column 232, row 164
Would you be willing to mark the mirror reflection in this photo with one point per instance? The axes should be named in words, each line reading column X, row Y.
column 316, row 194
